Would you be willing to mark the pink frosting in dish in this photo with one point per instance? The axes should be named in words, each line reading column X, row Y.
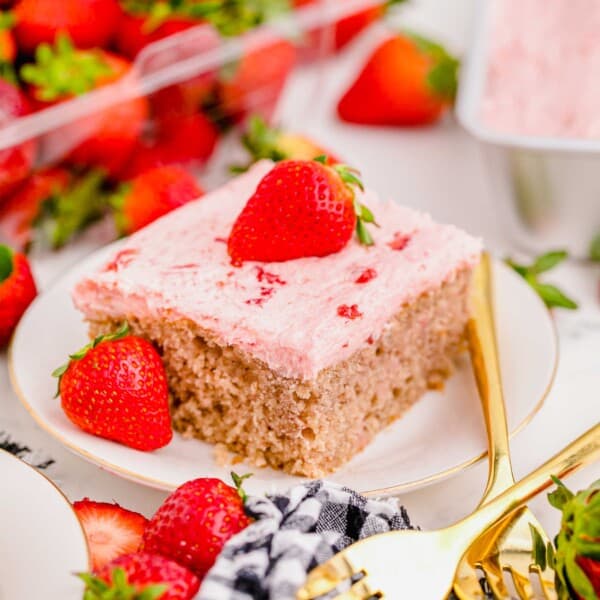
column 544, row 62
column 299, row 316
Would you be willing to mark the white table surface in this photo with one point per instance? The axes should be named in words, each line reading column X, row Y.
column 441, row 170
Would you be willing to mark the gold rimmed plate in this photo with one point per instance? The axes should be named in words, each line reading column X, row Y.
column 42, row 543
column 440, row 436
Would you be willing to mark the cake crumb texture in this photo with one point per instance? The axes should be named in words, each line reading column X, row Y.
column 225, row 396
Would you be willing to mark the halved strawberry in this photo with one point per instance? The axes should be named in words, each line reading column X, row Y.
column 111, row 530
column 300, row 208
column 104, row 139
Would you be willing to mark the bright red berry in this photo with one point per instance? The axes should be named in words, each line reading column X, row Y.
column 300, row 208
column 116, row 388
column 17, row 290
column 151, row 195
column 141, row 575
column 110, row 529
column 193, row 524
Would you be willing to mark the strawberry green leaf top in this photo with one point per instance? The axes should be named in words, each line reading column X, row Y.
column 98, row 589
column 7, row 20
column 6, row 262
column 552, row 296
column 238, row 481
column 576, row 556
column 62, row 70
column 117, row 335
column 595, row 249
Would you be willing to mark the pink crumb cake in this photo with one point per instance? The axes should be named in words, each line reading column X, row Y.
column 298, row 364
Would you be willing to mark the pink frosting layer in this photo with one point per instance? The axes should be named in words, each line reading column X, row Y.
column 299, row 316
column 543, row 70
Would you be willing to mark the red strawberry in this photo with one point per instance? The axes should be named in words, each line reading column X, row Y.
column 194, row 522
column 407, row 81
column 300, row 208
column 63, row 72
column 153, row 194
column 591, row 568
column 15, row 162
column 116, row 388
column 89, row 23
column 255, row 83
column 17, row 290
column 135, row 32
column 111, row 530
column 276, row 144
column 52, row 205
column 8, row 49
column 141, row 576
column 186, row 140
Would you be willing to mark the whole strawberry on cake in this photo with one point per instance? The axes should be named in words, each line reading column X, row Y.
column 297, row 315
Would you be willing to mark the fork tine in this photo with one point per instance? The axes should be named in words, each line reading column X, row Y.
column 359, row 591
column 522, row 585
column 546, row 580
column 467, row 580
column 326, row 577
column 495, row 579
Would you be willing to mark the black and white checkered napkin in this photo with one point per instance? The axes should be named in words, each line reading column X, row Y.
column 292, row 534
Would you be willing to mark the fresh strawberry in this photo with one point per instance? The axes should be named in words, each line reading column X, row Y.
column 186, row 140
column 17, row 290
column 263, row 141
column 15, row 162
column 115, row 387
column 151, row 195
column 51, row 207
column 349, row 27
column 194, row 522
column 89, row 23
column 62, row 72
column 135, row 32
column 111, row 531
column 8, row 49
column 141, row 576
column 256, row 81
column 408, row 80
column 300, row 208
column 575, row 556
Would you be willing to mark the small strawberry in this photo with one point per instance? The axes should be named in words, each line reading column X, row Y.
column 8, row 48
column 263, row 141
column 17, row 290
column 111, row 531
column 15, row 162
column 136, row 31
column 151, row 195
column 62, row 72
column 575, row 555
column 185, row 140
column 194, row 522
column 256, row 81
column 408, row 80
column 51, row 207
column 141, row 576
column 89, row 23
column 115, row 387
column 300, row 208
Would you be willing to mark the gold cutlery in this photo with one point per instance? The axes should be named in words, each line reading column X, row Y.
column 421, row 564
column 508, row 547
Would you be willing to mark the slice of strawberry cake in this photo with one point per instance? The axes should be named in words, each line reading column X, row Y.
column 297, row 315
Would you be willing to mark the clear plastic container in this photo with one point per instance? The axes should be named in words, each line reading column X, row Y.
column 547, row 187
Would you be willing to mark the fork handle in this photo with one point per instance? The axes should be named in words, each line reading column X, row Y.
column 584, row 450
column 486, row 368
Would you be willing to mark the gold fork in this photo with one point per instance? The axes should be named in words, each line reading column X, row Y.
column 422, row 564
column 508, row 547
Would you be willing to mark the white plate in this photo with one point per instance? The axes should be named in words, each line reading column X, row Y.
column 441, row 435
column 42, row 543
